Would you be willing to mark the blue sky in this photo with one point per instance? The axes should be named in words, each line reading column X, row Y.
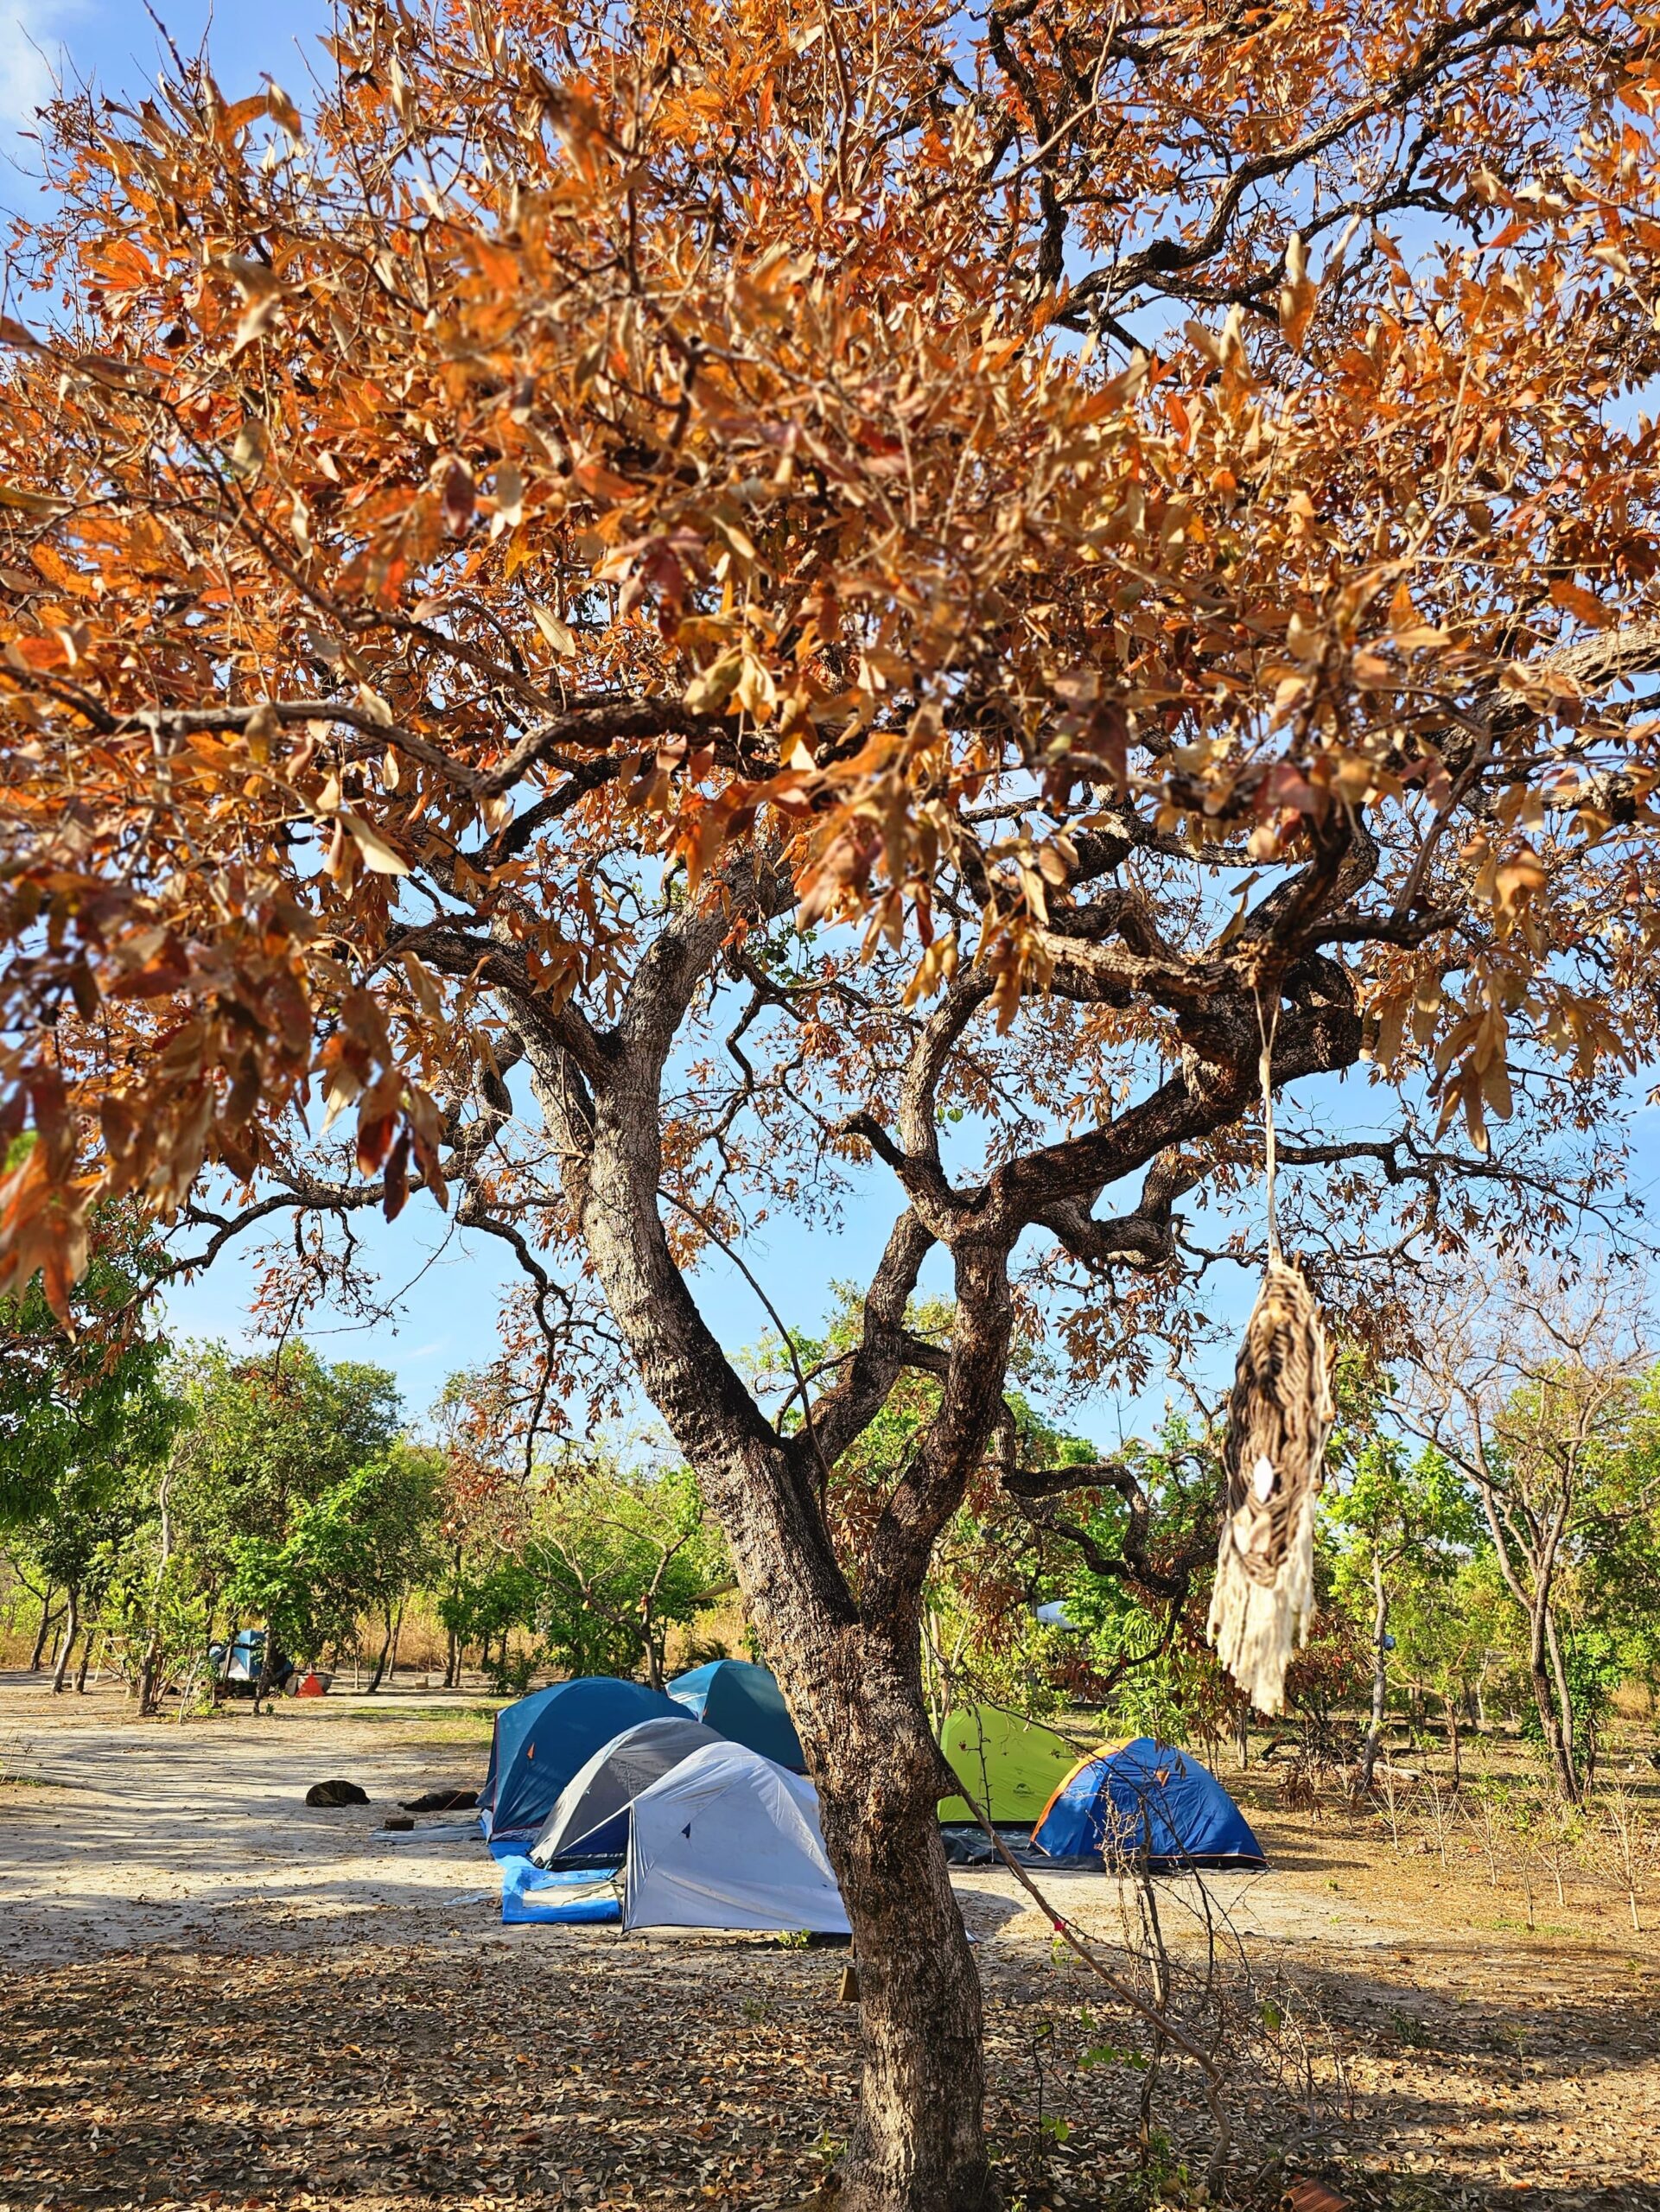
column 448, row 1316
column 114, row 43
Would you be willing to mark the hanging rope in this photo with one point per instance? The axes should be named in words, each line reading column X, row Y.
column 1273, row 1458
column 1268, row 1031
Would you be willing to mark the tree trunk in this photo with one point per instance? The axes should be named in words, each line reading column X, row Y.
column 1241, row 1736
column 1564, row 1703
column 1454, row 1739
column 851, row 1670
column 452, row 1661
column 919, row 2144
column 1544, row 1699
column 1379, row 1676
column 86, row 1661
column 49, row 1620
column 149, row 1674
column 398, row 1630
column 380, row 1664
column 72, row 1624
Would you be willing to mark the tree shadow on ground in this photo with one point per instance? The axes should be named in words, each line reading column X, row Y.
column 574, row 2068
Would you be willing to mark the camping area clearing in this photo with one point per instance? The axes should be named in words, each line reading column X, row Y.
column 214, row 1996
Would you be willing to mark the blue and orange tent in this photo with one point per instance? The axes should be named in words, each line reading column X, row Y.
column 1146, row 1799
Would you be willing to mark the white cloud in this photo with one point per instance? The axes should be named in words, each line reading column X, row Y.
column 31, row 43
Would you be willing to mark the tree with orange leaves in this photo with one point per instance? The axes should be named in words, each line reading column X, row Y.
column 686, row 609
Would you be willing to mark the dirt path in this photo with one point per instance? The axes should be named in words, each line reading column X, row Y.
column 133, row 1835
column 215, row 1998
column 138, row 1835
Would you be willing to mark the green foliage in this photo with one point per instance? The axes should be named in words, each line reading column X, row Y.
column 266, row 1437
column 360, row 1547
column 1595, row 1663
column 1455, row 1632
column 619, row 1558
column 483, row 1605
column 595, row 1565
column 82, row 1412
column 1149, row 1652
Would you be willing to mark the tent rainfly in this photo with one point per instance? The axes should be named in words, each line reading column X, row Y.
column 730, row 1840
column 744, row 1704
column 1009, row 1765
column 1147, row 1797
column 592, row 1814
column 541, row 1740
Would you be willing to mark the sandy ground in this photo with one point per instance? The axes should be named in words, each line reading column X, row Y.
column 212, row 1997
column 138, row 1834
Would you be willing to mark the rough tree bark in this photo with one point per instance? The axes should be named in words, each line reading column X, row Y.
column 1379, row 1674
column 48, row 1622
column 71, row 1627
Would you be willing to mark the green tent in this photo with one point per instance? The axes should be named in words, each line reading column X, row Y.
column 1013, row 1766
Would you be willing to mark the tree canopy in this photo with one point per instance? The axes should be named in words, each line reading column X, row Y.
column 950, row 513
column 914, row 601
column 83, row 1396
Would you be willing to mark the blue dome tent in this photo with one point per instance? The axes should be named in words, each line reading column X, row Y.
column 1147, row 1796
column 745, row 1705
column 541, row 1740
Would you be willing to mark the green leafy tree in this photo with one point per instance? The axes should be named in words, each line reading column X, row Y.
column 88, row 1392
column 267, row 1435
column 617, row 1557
column 1395, row 1518
column 1540, row 1395
column 361, row 1548
column 1456, row 1636
column 85, row 1417
column 484, row 1601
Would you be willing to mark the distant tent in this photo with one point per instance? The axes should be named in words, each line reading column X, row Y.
column 541, row 1740
column 745, row 1705
column 1011, row 1766
column 1145, row 1797
column 592, row 1814
column 730, row 1840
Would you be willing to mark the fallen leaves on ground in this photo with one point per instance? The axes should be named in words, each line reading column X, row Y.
column 586, row 2070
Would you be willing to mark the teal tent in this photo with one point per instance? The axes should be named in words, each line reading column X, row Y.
column 541, row 1740
column 745, row 1705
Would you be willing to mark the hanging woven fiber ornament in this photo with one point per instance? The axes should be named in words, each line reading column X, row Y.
column 1279, row 1417
column 1273, row 1458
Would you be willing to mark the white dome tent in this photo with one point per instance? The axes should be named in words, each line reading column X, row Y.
column 728, row 1838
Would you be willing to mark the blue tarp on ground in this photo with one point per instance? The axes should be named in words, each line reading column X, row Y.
column 1147, row 1796
column 534, row 1894
column 745, row 1705
column 541, row 1740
